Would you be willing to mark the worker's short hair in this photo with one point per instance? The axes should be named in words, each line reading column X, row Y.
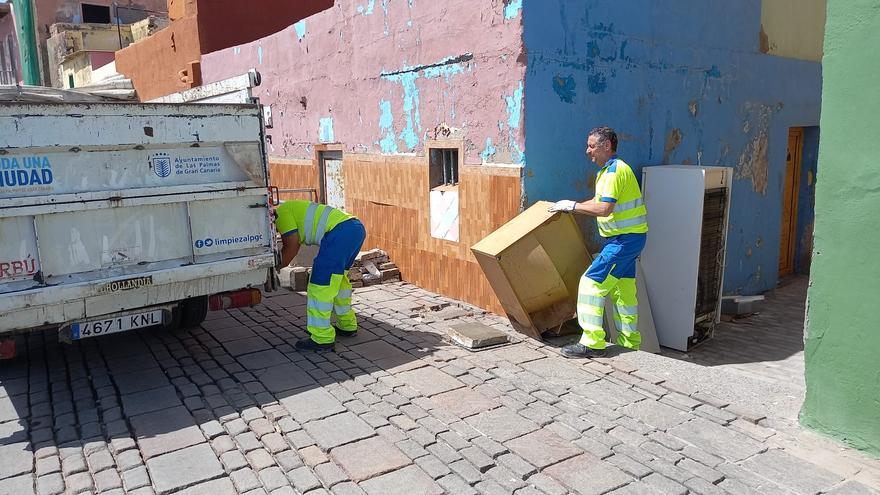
column 605, row 134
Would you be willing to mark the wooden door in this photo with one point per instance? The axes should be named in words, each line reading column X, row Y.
column 791, row 188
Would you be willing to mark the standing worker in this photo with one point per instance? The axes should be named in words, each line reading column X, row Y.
column 340, row 237
column 623, row 222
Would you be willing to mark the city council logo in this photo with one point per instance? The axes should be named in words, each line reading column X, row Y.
column 161, row 164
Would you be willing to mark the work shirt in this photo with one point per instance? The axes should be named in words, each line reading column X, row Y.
column 616, row 183
column 310, row 221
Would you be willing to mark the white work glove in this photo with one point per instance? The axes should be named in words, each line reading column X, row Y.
column 564, row 205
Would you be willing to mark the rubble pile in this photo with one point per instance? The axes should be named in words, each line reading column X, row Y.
column 370, row 268
column 373, row 267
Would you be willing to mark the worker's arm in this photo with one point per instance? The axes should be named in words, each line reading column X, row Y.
column 593, row 207
column 289, row 248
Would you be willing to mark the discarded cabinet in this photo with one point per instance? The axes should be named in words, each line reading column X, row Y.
column 534, row 264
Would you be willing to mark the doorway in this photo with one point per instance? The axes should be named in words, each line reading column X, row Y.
column 791, row 191
column 332, row 179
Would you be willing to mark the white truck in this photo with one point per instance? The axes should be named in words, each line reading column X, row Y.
column 120, row 216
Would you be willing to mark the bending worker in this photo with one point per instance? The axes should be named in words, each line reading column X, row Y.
column 623, row 222
column 340, row 237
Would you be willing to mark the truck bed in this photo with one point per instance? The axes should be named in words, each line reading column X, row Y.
column 110, row 207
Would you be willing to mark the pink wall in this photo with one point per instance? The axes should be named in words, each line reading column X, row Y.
column 381, row 76
column 100, row 59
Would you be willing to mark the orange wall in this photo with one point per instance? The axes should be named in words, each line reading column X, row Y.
column 390, row 195
column 166, row 62
column 169, row 61
column 178, row 9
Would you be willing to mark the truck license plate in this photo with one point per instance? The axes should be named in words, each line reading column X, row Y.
column 115, row 324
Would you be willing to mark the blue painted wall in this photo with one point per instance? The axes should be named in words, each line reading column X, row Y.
column 682, row 81
column 807, row 200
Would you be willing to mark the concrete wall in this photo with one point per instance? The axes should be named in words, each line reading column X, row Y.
column 381, row 79
column 73, row 47
column 793, row 28
column 682, row 82
column 842, row 345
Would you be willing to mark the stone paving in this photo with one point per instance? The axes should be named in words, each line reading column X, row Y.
column 231, row 407
column 754, row 364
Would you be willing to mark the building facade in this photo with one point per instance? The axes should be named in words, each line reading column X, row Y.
column 33, row 21
column 374, row 101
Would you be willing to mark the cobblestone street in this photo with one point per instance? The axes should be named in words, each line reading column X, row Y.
column 233, row 408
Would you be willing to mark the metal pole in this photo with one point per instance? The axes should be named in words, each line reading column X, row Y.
column 118, row 26
column 27, row 41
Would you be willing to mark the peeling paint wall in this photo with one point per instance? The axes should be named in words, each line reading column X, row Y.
column 806, row 216
column 683, row 82
column 383, row 79
column 391, row 75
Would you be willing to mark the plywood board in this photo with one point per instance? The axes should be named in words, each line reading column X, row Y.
column 532, row 274
column 514, row 230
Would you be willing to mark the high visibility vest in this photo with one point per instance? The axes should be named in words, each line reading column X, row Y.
column 310, row 220
column 617, row 181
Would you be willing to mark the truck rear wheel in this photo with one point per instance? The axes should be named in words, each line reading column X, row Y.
column 193, row 311
column 189, row 313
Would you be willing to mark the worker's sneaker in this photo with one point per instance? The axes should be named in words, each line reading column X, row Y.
column 345, row 333
column 310, row 345
column 578, row 350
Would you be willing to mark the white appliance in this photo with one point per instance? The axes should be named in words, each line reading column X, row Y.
column 683, row 259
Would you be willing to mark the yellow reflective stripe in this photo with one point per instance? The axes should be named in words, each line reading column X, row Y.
column 628, row 310
column 314, row 321
column 319, row 305
column 322, row 224
column 629, row 205
column 622, row 224
column 628, row 327
column 591, row 300
column 590, row 320
column 341, row 310
column 309, row 223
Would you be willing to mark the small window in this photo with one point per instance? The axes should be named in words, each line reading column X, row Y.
column 96, row 14
column 70, row 80
column 443, row 168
